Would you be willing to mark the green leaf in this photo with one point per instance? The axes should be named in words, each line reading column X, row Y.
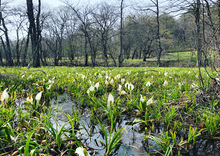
column 26, row 150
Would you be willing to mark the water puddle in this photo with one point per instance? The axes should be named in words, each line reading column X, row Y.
column 134, row 134
column 61, row 104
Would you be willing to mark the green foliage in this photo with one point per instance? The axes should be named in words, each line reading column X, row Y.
column 168, row 100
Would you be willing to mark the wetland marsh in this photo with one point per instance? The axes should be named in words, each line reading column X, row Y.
column 109, row 111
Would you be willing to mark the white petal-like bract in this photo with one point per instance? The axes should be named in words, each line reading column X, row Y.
column 38, row 96
column 110, row 101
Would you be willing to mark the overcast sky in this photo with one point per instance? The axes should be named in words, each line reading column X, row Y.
column 50, row 4
column 56, row 3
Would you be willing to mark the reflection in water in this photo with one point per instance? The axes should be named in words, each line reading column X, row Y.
column 135, row 133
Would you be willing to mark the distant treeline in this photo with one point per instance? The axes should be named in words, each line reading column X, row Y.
column 106, row 33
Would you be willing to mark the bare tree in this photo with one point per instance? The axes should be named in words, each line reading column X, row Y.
column 0, row 26
column 140, row 36
column 6, row 45
column 218, row 6
column 197, row 11
column 71, row 39
column 121, row 56
column 19, row 23
column 0, row 11
column 157, row 12
column 105, row 17
column 156, row 3
column 85, row 24
column 56, row 26
column 35, row 31
column 212, row 25
column 24, row 63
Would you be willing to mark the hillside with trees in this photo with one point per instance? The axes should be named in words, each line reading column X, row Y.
column 107, row 34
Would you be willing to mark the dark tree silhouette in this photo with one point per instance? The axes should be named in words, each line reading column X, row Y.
column 35, row 31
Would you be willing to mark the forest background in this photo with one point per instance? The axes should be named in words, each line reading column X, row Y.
column 123, row 33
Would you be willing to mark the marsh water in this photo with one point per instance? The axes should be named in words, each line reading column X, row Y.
column 135, row 134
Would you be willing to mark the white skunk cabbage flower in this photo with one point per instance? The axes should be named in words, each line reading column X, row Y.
column 81, row 151
column 117, row 77
column 165, row 83
column 130, row 87
column 106, row 82
column 100, row 75
column 112, row 81
column 38, row 96
column 96, row 85
column 48, row 87
column 29, row 99
column 142, row 99
column 110, row 101
column 90, row 82
column 126, row 84
column 83, row 76
column 165, row 74
column 150, row 101
column 148, row 84
column 122, row 80
column 180, row 84
column 4, row 96
column 123, row 92
column 91, row 88
column 119, row 87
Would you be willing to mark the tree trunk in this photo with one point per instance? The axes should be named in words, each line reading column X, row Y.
column 24, row 63
column 0, row 25
column 147, row 52
column 0, row 12
column 1, row 57
column 135, row 51
column 213, row 27
column 92, row 50
column 44, row 55
column 8, row 54
column 43, row 60
column 120, row 58
column 158, row 36
column 140, row 54
column 18, row 48
column 3, row 45
column 56, row 60
column 104, row 48
column 35, row 31
column 86, row 53
column 218, row 3
column 115, row 64
column 105, row 56
column 198, row 38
